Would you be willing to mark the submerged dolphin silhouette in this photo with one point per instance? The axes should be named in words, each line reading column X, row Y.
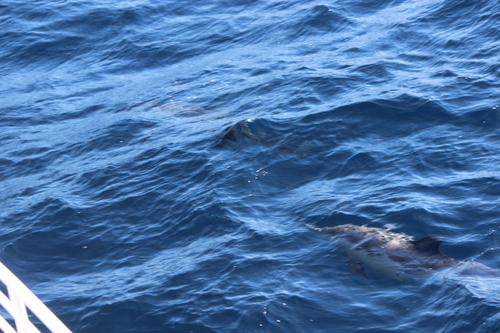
column 396, row 254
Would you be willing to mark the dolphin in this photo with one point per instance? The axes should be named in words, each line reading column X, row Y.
column 397, row 255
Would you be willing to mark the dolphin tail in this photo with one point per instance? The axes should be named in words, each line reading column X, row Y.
column 476, row 269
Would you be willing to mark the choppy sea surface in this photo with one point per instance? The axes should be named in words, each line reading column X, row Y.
column 158, row 159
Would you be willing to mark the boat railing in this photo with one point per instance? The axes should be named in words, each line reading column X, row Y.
column 19, row 299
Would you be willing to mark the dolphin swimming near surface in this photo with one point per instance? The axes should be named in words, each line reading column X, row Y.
column 397, row 255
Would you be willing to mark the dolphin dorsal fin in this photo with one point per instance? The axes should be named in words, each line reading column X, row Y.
column 429, row 244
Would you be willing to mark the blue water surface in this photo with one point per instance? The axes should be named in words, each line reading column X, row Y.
column 159, row 158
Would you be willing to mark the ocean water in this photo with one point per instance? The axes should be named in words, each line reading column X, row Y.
column 159, row 158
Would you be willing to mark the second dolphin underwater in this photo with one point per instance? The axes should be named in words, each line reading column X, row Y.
column 397, row 255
